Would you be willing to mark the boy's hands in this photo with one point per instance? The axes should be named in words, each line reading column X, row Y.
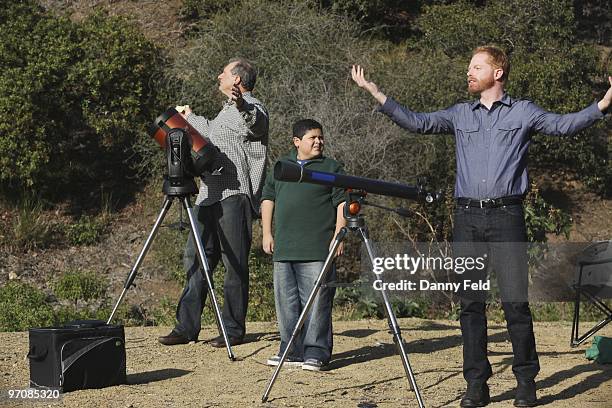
column 267, row 243
column 339, row 250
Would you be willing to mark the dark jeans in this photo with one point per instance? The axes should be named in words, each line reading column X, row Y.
column 226, row 229
column 502, row 233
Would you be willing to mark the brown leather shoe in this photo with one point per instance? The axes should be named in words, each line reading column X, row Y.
column 172, row 339
column 219, row 341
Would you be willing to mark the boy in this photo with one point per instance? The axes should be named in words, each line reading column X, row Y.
column 307, row 218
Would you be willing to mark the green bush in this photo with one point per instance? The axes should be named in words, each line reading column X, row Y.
column 542, row 218
column 23, row 306
column 392, row 19
column 551, row 312
column 72, row 96
column 352, row 302
column 88, row 230
column 69, row 313
column 82, row 286
column 360, row 302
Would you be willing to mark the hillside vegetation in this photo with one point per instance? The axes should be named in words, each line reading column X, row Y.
column 80, row 177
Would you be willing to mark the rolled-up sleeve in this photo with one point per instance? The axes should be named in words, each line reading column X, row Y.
column 268, row 191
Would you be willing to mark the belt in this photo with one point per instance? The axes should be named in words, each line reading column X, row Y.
column 489, row 202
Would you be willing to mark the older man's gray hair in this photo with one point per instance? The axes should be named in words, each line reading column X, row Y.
column 246, row 71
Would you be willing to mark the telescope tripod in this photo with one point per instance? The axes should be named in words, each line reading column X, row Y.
column 182, row 193
column 356, row 223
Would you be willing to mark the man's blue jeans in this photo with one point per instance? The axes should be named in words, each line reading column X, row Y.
column 293, row 283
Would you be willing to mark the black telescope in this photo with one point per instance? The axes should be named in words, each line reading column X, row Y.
column 288, row 171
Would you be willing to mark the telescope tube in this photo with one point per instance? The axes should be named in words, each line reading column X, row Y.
column 288, row 171
column 203, row 153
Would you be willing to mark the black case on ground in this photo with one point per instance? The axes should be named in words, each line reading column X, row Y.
column 81, row 354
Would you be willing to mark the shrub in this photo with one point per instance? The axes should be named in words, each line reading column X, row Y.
column 352, row 302
column 31, row 228
column 87, row 230
column 80, row 285
column 77, row 93
column 542, row 218
column 23, row 306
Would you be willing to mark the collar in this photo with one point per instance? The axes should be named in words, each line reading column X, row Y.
column 505, row 100
column 292, row 156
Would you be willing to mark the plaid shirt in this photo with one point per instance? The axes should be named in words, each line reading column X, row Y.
column 242, row 137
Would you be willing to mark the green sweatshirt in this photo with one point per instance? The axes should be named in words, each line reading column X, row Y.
column 304, row 213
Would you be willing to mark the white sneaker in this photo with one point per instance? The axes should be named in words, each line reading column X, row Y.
column 289, row 361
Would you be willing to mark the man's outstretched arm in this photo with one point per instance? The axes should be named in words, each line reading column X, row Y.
column 555, row 124
column 433, row 122
column 371, row 87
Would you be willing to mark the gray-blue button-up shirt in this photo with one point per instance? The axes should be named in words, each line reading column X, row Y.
column 492, row 144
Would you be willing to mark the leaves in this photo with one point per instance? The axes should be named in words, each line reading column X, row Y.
column 67, row 87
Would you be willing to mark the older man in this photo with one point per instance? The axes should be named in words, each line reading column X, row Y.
column 226, row 205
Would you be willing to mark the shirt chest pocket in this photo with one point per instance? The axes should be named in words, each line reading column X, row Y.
column 466, row 135
column 507, row 132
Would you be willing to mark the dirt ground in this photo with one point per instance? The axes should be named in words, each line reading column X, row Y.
column 365, row 372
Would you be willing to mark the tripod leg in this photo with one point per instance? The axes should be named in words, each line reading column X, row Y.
column 320, row 279
column 395, row 329
column 204, row 262
column 130, row 279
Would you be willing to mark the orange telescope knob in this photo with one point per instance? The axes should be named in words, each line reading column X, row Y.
column 354, row 208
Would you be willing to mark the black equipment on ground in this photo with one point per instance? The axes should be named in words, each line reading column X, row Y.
column 187, row 155
column 594, row 282
column 82, row 354
column 288, row 171
column 355, row 222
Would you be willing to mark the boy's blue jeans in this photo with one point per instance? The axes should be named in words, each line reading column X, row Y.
column 293, row 282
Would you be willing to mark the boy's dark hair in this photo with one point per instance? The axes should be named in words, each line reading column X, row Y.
column 301, row 127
